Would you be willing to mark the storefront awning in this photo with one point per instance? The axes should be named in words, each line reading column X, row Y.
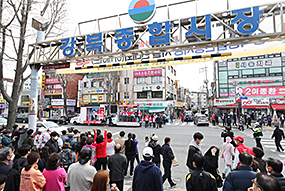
column 255, row 106
column 156, row 110
column 278, row 106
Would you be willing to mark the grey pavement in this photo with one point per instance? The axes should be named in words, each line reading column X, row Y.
column 181, row 135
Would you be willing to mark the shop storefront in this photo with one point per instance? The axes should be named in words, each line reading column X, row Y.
column 278, row 104
column 57, row 106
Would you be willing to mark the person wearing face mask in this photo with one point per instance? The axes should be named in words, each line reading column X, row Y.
column 7, row 139
column 52, row 143
column 275, row 167
column 264, row 182
column 13, row 176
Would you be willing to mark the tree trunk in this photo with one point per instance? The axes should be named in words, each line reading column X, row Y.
column 64, row 101
column 12, row 113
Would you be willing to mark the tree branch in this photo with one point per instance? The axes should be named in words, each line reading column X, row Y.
column 16, row 12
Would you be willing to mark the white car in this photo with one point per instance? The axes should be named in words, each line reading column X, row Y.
column 3, row 122
column 75, row 120
column 51, row 126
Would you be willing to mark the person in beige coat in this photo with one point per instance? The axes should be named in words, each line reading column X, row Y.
column 227, row 154
column 121, row 140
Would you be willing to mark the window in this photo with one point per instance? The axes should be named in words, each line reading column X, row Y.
column 275, row 72
column 171, row 69
column 172, row 83
column 168, row 80
column 93, row 84
column 174, row 71
column 223, row 85
column 156, row 79
column 126, row 80
column 101, row 83
column 259, row 72
column 128, row 95
column 223, row 77
column 141, row 95
column 85, row 84
column 233, row 74
column 142, row 80
column 156, row 94
column 222, row 68
column 247, row 73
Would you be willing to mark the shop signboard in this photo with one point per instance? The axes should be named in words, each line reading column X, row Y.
column 147, row 88
column 178, row 104
column 224, row 102
column 53, row 92
column 277, row 100
column 146, row 73
column 261, row 91
column 52, row 80
column 85, row 99
column 255, row 102
column 69, row 102
column 97, row 98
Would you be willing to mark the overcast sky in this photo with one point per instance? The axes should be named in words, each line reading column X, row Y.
column 189, row 75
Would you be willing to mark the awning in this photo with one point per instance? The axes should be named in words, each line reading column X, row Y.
column 278, row 106
column 156, row 110
column 256, row 107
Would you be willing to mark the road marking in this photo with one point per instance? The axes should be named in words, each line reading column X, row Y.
column 176, row 123
column 282, row 156
column 269, row 146
column 183, row 124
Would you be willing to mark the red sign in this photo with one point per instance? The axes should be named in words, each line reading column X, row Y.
column 264, row 91
column 56, row 66
column 144, row 73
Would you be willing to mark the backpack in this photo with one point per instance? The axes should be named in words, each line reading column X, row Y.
column 66, row 158
column 19, row 166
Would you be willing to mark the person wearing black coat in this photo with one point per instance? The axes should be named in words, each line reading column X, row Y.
column 16, row 133
column 52, row 143
column 13, row 176
column 229, row 122
column 168, row 156
column 130, row 151
column 259, row 153
column 228, row 133
column 156, row 150
column 275, row 168
column 211, row 161
column 193, row 149
column 279, row 135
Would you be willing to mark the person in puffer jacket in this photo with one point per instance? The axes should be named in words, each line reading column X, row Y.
column 156, row 150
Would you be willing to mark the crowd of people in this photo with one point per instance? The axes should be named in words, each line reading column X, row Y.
column 94, row 161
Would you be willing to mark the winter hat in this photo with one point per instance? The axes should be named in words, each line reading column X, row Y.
column 228, row 139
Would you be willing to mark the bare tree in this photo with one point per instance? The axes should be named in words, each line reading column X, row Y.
column 111, row 80
column 14, row 19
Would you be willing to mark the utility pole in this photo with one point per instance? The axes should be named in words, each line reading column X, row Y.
column 201, row 70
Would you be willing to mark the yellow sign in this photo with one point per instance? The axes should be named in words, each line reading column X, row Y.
column 2, row 100
column 43, row 82
column 94, row 98
column 85, row 99
column 178, row 104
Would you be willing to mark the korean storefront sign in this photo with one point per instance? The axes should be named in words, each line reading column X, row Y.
column 145, row 73
column 69, row 102
column 262, row 91
column 97, row 98
column 224, row 102
column 147, row 88
column 85, row 99
column 277, row 101
column 53, row 92
column 255, row 102
column 52, row 81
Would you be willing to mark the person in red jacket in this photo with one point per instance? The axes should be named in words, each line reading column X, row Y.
column 241, row 148
column 101, row 143
column 182, row 118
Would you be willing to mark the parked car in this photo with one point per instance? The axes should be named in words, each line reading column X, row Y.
column 201, row 119
column 58, row 119
column 22, row 118
column 75, row 120
column 51, row 126
column 3, row 122
column 4, row 115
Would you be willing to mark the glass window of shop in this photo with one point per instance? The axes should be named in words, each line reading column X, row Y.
column 141, row 95
column 156, row 79
column 156, row 94
column 232, row 91
column 142, row 80
column 275, row 71
column 223, row 85
column 223, row 68
column 223, row 77
column 260, row 72
column 247, row 73
column 233, row 74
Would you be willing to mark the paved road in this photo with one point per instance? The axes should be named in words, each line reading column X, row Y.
column 181, row 135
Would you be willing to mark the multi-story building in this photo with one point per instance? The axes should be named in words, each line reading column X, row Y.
column 54, row 97
column 253, row 85
column 154, row 88
column 198, row 100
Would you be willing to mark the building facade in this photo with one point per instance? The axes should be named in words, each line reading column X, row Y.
column 253, row 85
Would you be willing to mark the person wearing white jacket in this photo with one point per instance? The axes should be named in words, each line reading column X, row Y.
column 227, row 154
column 110, row 149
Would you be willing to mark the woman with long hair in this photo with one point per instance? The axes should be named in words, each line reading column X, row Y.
column 45, row 153
column 31, row 178
column 54, row 174
column 80, row 145
column 130, row 151
column 101, row 181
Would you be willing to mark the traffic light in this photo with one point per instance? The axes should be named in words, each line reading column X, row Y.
column 176, row 84
column 43, row 82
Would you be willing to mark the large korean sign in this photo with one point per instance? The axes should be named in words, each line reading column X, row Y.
column 224, row 102
column 145, row 73
column 168, row 41
column 147, row 88
column 262, row 91
column 60, row 102
column 97, row 98
column 52, row 81
column 53, row 92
